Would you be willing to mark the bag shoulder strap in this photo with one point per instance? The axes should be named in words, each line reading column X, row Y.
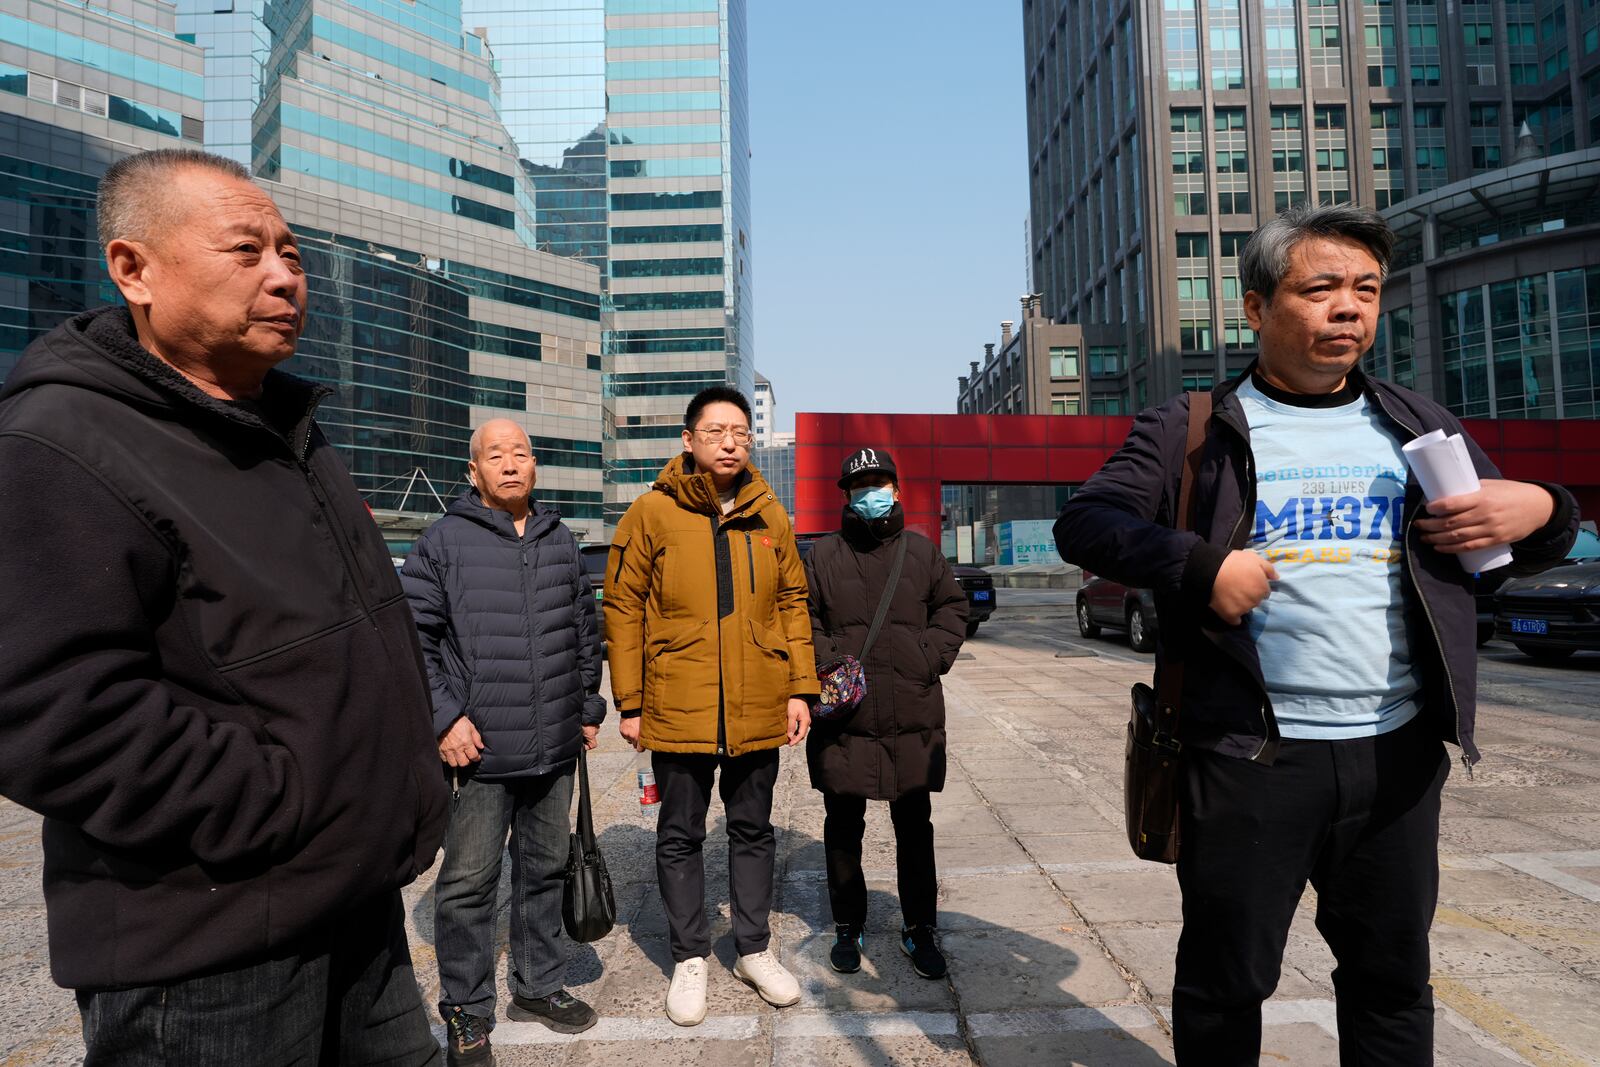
column 888, row 595
column 1171, row 688
column 1199, row 416
column 585, row 813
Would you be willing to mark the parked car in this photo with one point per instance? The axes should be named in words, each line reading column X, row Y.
column 1104, row 603
column 594, row 564
column 1587, row 546
column 975, row 582
column 1550, row 616
column 979, row 587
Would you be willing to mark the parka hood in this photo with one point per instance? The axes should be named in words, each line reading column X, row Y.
column 99, row 351
column 697, row 491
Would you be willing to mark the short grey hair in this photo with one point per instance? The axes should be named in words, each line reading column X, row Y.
column 1265, row 258
column 134, row 200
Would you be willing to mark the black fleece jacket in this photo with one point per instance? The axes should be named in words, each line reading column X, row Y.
column 210, row 683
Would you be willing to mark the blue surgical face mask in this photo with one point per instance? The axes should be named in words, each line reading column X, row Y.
column 872, row 503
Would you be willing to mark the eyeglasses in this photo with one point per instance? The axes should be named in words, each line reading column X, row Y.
column 715, row 435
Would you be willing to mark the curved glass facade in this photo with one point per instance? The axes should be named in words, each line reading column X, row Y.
column 394, row 341
column 1524, row 348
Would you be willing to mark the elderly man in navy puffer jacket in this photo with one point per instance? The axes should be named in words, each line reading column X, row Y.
column 504, row 612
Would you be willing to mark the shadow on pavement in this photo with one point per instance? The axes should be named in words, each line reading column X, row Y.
column 1003, row 986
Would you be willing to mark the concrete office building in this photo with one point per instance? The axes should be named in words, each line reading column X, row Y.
column 630, row 117
column 1045, row 368
column 1493, row 305
column 776, row 464
column 1161, row 134
column 1039, row 368
column 763, row 410
column 430, row 312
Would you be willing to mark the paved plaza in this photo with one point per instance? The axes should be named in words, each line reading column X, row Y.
column 1060, row 943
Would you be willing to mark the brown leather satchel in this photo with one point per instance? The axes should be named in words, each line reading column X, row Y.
column 1154, row 765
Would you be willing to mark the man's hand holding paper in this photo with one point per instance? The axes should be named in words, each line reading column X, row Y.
column 1499, row 513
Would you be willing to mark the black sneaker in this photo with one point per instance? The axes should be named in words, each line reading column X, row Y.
column 467, row 1040
column 560, row 1011
column 846, row 952
column 926, row 959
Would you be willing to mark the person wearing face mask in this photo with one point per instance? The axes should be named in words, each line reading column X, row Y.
column 892, row 746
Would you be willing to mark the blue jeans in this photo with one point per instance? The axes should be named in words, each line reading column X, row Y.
column 537, row 813
column 351, row 999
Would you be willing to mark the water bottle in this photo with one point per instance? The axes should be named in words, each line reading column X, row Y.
column 649, row 795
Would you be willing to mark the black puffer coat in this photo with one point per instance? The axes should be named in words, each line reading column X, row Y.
column 893, row 744
column 507, row 634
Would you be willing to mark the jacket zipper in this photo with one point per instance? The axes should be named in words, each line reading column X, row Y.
column 722, row 696
column 750, row 558
column 1233, row 539
column 301, row 450
column 533, row 657
column 1427, row 609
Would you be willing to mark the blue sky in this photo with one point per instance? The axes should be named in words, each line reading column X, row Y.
column 889, row 188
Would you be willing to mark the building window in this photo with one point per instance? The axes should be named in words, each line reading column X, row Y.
column 1064, row 362
column 1182, row 45
column 1194, row 335
column 1105, row 361
column 1283, row 45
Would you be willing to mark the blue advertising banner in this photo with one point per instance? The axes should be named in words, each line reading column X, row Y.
column 1027, row 541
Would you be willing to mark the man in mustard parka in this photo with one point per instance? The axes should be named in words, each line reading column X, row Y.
column 711, row 667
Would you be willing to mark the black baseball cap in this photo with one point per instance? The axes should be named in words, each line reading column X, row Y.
column 867, row 461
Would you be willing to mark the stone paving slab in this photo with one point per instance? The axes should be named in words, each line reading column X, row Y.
column 1060, row 943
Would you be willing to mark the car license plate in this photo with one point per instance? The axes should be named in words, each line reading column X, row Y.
column 1529, row 626
column 982, row 594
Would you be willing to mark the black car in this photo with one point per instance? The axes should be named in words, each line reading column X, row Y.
column 1586, row 547
column 979, row 587
column 975, row 582
column 1104, row 603
column 1550, row 616
column 594, row 564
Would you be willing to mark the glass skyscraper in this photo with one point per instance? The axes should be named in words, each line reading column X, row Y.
column 1161, row 134
column 80, row 87
column 630, row 119
column 373, row 124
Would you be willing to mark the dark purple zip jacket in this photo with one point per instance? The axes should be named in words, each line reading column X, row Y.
column 1120, row 525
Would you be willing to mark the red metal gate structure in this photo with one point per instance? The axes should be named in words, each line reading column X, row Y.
column 936, row 450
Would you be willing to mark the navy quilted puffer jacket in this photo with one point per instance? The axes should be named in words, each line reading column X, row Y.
column 507, row 634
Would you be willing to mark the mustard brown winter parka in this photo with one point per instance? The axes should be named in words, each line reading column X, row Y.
column 706, row 622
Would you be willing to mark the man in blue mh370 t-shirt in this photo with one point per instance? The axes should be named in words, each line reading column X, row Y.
column 1327, row 632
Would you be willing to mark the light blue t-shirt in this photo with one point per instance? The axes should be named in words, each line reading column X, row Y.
column 1330, row 488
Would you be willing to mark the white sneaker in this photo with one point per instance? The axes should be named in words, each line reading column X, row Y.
column 763, row 972
column 686, row 996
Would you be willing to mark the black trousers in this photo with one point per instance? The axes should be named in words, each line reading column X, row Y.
column 1357, row 818
column 746, row 787
column 842, row 830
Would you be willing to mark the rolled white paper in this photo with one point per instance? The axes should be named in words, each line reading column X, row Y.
column 1444, row 468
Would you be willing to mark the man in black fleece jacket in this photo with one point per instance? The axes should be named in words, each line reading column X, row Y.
column 211, row 686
